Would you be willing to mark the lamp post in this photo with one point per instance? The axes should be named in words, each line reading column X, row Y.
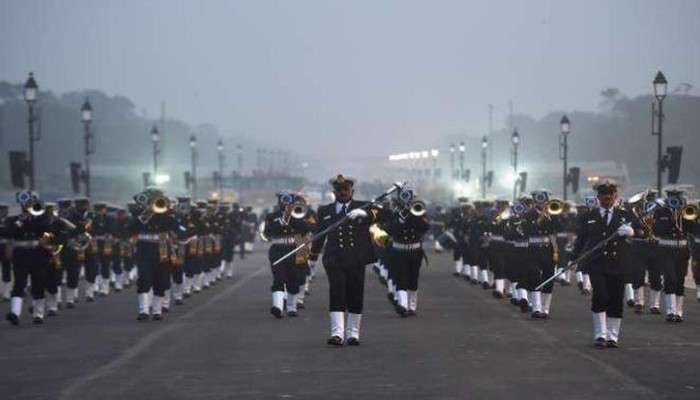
column 155, row 139
column 515, row 139
column 484, row 157
column 194, row 156
column 452, row 161
column 660, row 86
column 462, row 149
column 220, row 150
column 565, row 128
column 86, row 116
column 31, row 90
column 434, row 153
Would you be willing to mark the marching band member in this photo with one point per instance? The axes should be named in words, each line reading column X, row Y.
column 407, row 226
column 102, row 245
column 33, row 233
column 516, row 252
column 5, row 254
column 284, row 228
column 540, row 228
column 605, row 267
column 458, row 224
column 346, row 252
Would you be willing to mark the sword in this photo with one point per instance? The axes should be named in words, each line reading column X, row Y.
column 582, row 257
column 396, row 186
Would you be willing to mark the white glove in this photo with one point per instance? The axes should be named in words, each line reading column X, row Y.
column 357, row 213
column 625, row 230
column 311, row 263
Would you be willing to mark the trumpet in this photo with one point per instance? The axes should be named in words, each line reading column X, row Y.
column 554, row 207
column 689, row 212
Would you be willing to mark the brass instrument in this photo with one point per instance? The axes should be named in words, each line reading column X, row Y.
column 301, row 258
column 554, row 207
column 417, row 208
column 36, row 208
column 299, row 210
column 379, row 236
column 689, row 212
column 49, row 242
column 157, row 204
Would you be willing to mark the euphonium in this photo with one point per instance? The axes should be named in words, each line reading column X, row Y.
column 689, row 212
column 555, row 207
column 36, row 208
column 157, row 204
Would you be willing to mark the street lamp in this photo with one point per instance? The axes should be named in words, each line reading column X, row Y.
column 660, row 86
column 434, row 153
column 565, row 128
column 31, row 90
column 220, row 150
column 86, row 116
column 515, row 139
column 462, row 148
column 194, row 157
column 484, row 156
column 452, row 161
column 155, row 139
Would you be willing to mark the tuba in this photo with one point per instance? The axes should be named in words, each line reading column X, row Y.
column 689, row 212
column 417, row 208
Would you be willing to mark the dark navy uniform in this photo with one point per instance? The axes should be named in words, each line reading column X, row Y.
column 407, row 232
column 285, row 233
column 606, row 266
column 346, row 252
column 5, row 255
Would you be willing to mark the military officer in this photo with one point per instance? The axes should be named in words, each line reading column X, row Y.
column 346, row 252
column 605, row 267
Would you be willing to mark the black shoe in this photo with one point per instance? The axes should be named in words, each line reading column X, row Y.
column 580, row 286
column 301, row 306
column 536, row 315
column 37, row 320
column 6, row 300
column 670, row 318
column 565, row 283
column 186, row 295
column 599, row 343
column 485, row 285
column 100, row 294
column 654, row 310
column 157, row 317
column 31, row 310
column 89, row 299
column 165, row 310
column 276, row 312
column 497, row 294
column 179, row 302
column 13, row 318
column 474, row 281
column 630, row 303
column 52, row 313
column 402, row 312
column 117, row 290
column 335, row 341
column 70, row 305
column 307, row 292
column 545, row 315
column 638, row 308
column 514, row 301
column 455, row 274
column 353, row 341
column 411, row 313
column 612, row 344
column 524, row 306
column 292, row 314
column 677, row 318
column 142, row 317
column 585, row 292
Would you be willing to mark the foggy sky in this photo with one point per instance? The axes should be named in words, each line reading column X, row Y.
column 387, row 76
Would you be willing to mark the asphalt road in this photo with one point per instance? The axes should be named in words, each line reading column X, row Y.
column 464, row 344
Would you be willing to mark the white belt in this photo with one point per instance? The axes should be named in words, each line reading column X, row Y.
column 101, row 237
column 673, row 242
column 27, row 244
column 149, row 237
column 520, row 244
column 406, row 246
column 562, row 235
column 538, row 240
column 497, row 237
column 283, row 240
column 697, row 240
column 3, row 241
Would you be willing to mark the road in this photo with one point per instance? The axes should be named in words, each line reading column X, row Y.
column 464, row 344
